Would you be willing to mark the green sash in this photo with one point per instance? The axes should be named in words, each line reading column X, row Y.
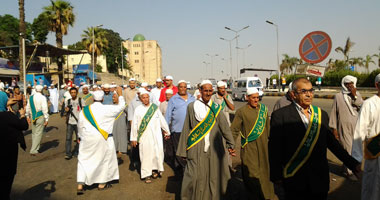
column 146, row 119
column 35, row 114
column 307, row 144
column 258, row 127
column 87, row 96
column 372, row 148
column 204, row 127
column 90, row 117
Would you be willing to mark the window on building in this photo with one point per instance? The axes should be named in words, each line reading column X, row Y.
column 136, row 61
column 136, row 53
column 149, row 45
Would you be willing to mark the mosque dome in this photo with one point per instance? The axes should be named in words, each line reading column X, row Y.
column 138, row 37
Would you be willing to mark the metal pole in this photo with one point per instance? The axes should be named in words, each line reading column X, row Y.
column 93, row 56
column 237, row 56
column 278, row 60
column 231, row 56
column 23, row 63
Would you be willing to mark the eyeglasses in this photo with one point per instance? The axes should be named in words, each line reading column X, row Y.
column 304, row 91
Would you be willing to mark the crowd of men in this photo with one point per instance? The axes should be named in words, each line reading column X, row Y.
column 283, row 155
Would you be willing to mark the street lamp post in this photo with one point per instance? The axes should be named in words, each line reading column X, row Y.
column 230, row 42
column 206, row 63
column 278, row 58
column 122, row 60
column 237, row 44
column 243, row 49
column 93, row 52
column 212, row 63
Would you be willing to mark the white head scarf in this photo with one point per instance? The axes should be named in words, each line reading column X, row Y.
column 345, row 91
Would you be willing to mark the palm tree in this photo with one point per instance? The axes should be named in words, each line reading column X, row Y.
column 60, row 16
column 368, row 60
column 100, row 42
column 288, row 63
column 378, row 57
column 346, row 50
column 357, row 61
column 22, row 30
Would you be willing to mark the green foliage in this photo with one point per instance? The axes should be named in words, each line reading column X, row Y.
column 9, row 30
column 98, row 68
column 112, row 52
column 369, row 80
column 77, row 46
column 40, row 28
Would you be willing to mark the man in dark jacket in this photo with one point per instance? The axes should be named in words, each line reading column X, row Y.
column 298, row 142
column 12, row 135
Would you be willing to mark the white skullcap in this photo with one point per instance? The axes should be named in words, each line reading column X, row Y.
column 98, row 95
column 113, row 86
column 125, row 86
column 52, row 84
column 377, row 78
column 144, row 92
column 158, row 80
column 169, row 91
column 45, row 85
column 39, row 88
column 221, row 84
column 252, row 91
column 94, row 86
column 169, row 77
column 140, row 90
column 107, row 86
column 204, row 82
column 144, row 84
column 29, row 85
column 132, row 79
column 85, row 86
column 62, row 86
column 181, row 81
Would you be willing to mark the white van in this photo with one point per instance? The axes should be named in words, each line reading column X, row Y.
column 240, row 86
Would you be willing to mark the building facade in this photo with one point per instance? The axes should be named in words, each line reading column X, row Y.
column 145, row 59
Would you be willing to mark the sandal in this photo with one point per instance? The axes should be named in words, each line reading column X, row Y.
column 154, row 175
column 80, row 191
column 147, row 180
column 106, row 186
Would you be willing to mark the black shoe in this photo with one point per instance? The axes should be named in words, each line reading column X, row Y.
column 120, row 161
column 68, row 157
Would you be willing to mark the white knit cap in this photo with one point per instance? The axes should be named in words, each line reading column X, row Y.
column 252, row 91
column 98, row 95
column 204, row 82
column 106, row 86
column 377, row 78
column 158, row 80
column 169, row 91
column 144, row 84
column 221, row 84
column 169, row 77
column 181, row 81
column 39, row 88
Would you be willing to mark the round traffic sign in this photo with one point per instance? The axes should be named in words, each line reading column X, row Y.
column 315, row 47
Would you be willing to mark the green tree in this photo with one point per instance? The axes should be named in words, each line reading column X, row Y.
column 77, row 46
column 101, row 42
column 367, row 61
column 289, row 63
column 346, row 49
column 378, row 58
column 40, row 28
column 113, row 52
column 9, row 26
column 60, row 16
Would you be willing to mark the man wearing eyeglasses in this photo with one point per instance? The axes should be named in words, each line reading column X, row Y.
column 298, row 142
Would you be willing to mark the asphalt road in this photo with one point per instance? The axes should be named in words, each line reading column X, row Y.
column 50, row 176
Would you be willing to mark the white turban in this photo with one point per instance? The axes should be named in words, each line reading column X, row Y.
column 348, row 79
column 204, row 82
column 158, row 80
column 169, row 91
column 98, row 95
column 291, row 86
column 39, row 88
column 144, row 84
column 221, row 84
column 106, row 86
column 181, row 81
column 252, row 91
column 169, row 77
column 377, row 78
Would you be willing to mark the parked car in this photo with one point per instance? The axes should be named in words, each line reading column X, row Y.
column 241, row 85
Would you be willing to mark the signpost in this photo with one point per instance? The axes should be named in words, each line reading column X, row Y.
column 315, row 47
column 310, row 70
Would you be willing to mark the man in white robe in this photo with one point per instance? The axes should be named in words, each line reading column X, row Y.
column 156, row 92
column 150, row 141
column 97, row 161
column 53, row 99
column 368, row 130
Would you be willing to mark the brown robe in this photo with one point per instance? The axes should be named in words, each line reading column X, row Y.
column 254, row 156
column 206, row 174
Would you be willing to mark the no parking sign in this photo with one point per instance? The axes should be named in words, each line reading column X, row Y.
column 315, row 47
